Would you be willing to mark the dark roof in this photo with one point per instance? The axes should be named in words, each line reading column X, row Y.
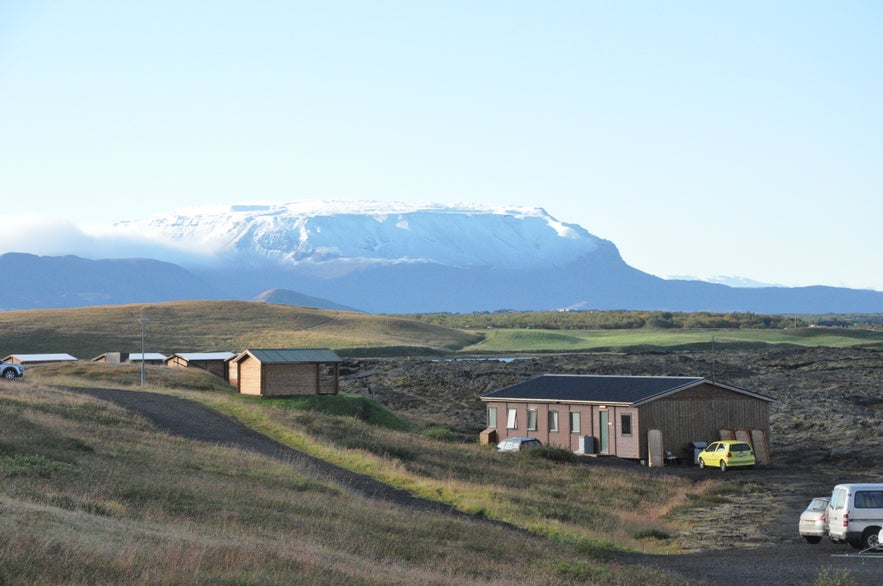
column 291, row 355
column 582, row 388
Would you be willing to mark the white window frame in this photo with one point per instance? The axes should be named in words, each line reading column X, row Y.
column 575, row 417
column 622, row 419
column 492, row 417
column 531, row 420
column 553, row 421
column 512, row 419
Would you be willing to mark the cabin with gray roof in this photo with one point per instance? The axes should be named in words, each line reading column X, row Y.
column 623, row 415
column 282, row 372
column 213, row 362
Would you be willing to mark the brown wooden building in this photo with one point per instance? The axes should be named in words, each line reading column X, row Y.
column 615, row 414
column 213, row 362
column 285, row 372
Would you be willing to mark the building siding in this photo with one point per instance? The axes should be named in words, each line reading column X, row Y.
column 695, row 414
column 699, row 414
column 249, row 376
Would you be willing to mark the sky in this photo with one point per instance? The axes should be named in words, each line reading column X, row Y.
column 701, row 138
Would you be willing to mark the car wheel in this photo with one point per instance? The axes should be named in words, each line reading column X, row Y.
column 701, row 463
column 723, row 466
column 870, row 539
column 812, row 538
column 9, row 374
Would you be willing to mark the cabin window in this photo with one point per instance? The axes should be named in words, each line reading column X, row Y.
column 511, row 419
column 532, row 419
column 492, row 417
column 553, row 421
column 626, row 424
column 574, row 422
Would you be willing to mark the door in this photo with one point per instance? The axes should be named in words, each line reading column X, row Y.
column 836, row 511
column 602, row 429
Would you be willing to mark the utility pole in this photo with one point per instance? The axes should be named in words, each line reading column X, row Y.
column 143, row 321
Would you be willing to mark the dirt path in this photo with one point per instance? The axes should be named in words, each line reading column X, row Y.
column 194, row 421
column 755, row 538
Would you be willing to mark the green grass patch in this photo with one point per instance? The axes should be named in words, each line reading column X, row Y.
column 516, row 341
column 343, row 404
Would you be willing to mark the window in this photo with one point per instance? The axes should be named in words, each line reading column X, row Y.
column 869, row 499
column 626, row 424
column 532, row 419
column 553, row 421
column 492, row 417
column 574, row 422
column 511, row 419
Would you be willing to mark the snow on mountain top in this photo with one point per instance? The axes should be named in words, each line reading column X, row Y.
column 310, row 232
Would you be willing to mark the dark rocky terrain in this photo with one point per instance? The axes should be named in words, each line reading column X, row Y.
column 828, row 400
column 825, row 426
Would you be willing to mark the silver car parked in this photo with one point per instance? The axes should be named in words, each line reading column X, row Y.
column 516, row 444
column 814, row 520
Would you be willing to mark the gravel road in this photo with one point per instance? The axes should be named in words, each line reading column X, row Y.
column 752, row 541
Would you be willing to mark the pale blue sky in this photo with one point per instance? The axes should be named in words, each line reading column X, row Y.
column 702, row 138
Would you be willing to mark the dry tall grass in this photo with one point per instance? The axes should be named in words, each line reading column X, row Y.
column 91, row 494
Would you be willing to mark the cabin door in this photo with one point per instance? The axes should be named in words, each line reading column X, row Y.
column 602, row 430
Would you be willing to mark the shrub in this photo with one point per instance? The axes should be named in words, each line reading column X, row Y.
column 442, row 434
column 553, row 453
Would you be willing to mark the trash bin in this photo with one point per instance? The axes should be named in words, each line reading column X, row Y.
column 697, row 447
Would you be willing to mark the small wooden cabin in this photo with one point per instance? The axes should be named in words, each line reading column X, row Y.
column 614, row 414
column 285, row 372
column 213, row 362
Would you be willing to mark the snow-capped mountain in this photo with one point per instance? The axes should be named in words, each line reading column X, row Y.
column 310, row 235
column 384, row 258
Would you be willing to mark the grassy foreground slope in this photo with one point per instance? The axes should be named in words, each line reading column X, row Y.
column 202, row 326
column 92, row 494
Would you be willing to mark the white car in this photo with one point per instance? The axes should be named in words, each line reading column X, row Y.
column 516, row 444
column 814, row 520
column 11, row 371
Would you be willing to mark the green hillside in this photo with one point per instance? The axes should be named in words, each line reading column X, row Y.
column 200, row 326
column 530, row 340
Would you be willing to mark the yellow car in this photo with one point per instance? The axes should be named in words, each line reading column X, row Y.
column 727, row 454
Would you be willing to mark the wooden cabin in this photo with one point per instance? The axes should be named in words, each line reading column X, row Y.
column 285, row 372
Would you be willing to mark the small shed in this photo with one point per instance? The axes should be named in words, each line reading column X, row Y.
column 615, row 414
column 213, row 362
column 285, row 372
column 112, row 357
column 33, row 359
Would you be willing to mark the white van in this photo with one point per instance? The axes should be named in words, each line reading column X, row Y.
column 855, row 514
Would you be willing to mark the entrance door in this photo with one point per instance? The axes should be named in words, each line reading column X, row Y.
column 602, row 429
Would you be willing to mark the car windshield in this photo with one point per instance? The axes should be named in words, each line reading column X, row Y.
column 817, row 505
column 740, row 448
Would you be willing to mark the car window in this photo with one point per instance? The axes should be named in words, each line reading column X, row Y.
column 838, row 499
column 817, row 505
column 721, row 447
column 741, row 448
column 869, row 499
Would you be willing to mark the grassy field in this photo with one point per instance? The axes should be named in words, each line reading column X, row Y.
column 201, row 326
column 531, row 340
column 91, row 494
